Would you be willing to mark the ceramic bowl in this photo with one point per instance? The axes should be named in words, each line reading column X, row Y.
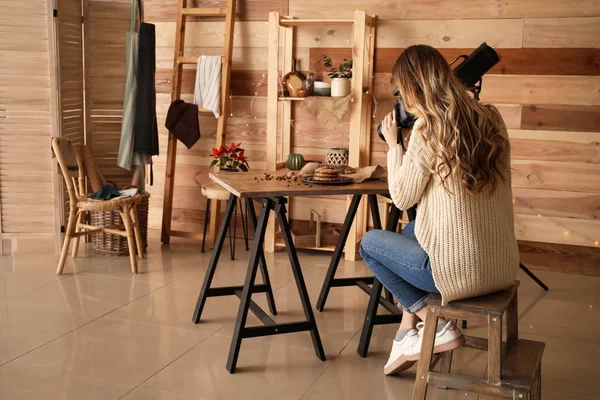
column 322, row 88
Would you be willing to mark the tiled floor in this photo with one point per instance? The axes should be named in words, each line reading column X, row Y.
column 98, row 332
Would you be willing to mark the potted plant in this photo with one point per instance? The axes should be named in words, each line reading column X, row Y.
column 340, row 76
column 230, row 158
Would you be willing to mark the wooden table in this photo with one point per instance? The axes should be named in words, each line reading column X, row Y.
column 271, row 193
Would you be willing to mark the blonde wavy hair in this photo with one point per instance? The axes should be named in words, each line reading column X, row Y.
column 466, row 136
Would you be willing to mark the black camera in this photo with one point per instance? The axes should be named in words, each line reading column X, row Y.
column 404, row 119
column 469, row 72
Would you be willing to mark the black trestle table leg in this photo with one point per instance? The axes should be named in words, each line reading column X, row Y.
column 240, row 321
column 263, row 263
column 367, row 329
column 214, row 258
column 299, row 278
column 337, row 254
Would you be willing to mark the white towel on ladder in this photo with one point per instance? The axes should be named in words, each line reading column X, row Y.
column 207, row 92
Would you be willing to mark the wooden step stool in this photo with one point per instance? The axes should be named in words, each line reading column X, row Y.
column 514, row 367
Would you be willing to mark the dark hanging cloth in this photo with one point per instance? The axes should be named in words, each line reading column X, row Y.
column 145, row 128
column 182, row 122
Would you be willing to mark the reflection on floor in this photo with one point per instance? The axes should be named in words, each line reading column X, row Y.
column 99, row 332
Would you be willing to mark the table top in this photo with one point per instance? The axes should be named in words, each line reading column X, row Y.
column 246, row 184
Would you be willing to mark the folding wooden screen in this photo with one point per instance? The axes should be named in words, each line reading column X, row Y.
column 27, row 106
column 105, row 26
column 69, row 73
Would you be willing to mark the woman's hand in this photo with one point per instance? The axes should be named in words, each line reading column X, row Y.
column 390, row 129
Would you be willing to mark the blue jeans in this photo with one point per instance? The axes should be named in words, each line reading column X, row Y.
column 400, row 264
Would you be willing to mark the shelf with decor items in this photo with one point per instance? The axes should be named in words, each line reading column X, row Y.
column 279, row 112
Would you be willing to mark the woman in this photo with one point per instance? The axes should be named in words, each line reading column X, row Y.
column 457, row 170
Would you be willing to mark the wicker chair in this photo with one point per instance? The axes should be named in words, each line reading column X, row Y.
column 72, row 169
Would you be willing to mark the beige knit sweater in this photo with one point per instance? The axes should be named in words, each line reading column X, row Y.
column 470, row 239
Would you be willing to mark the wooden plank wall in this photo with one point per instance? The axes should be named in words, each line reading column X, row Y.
column 106, row 24
column 69, row 48
column 547, row 88
column 27, row 107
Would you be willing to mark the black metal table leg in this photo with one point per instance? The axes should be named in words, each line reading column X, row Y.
column 337, row 254
column 245, row 227
column 232, row 236
column 371, row 317
column 367, row 328
column 240, row 321
column 246, row 303
column 263, row 263
column 299, row 278
column 214, row 258
column 206, row 218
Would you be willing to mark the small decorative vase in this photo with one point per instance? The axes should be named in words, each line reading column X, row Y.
column 309, row 84
column 337, row 156
column 340, row 87
column 293, row 81
column 294, row 161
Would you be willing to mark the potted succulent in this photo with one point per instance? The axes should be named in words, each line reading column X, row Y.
column 340, row 76
column 230, row 158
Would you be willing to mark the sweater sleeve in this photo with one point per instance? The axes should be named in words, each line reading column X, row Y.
column 408, row 175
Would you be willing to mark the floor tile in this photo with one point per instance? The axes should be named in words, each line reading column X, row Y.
column 18, row 382
column 351, row 377
column 173, row 307
column 264, row 372
column 113, row 349
column 141, row 393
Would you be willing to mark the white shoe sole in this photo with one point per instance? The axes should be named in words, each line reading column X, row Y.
column 403, row 363
column 451, row 345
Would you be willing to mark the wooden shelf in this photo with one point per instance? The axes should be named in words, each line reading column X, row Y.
column 296, row 22
column 292, row 98
column 280, row 243
column 279, row 110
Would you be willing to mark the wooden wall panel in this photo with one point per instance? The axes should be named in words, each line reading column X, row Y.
column 561, row 117
column 576, row 177
column 557, row 203
column 107, row 23
column 210, row 34
column 577, row 232
column 512, row 61
column 565, row 258
column 578, row 147
column 27, row 120
column 562, row 32
column 524, row 89
column 546, row 88
column 446, row 9
column 256, row 10
column 453, row 33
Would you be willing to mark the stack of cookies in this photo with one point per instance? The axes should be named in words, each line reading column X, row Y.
column 327, row 173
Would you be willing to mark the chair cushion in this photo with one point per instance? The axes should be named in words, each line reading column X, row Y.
column 86, row 204
column 214, row 191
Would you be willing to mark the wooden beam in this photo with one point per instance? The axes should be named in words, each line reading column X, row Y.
column 359, row 139
column 272, row 112
column 172, row 144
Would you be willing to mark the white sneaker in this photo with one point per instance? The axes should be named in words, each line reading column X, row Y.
column 404, row 353
column 448, row 338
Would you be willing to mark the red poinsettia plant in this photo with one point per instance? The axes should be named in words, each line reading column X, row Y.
column 230, row 157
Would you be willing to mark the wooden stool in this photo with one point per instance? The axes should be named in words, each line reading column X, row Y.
column 513, row 368
column 214, row 191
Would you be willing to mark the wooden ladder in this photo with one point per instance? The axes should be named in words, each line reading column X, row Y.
column 179, row 60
